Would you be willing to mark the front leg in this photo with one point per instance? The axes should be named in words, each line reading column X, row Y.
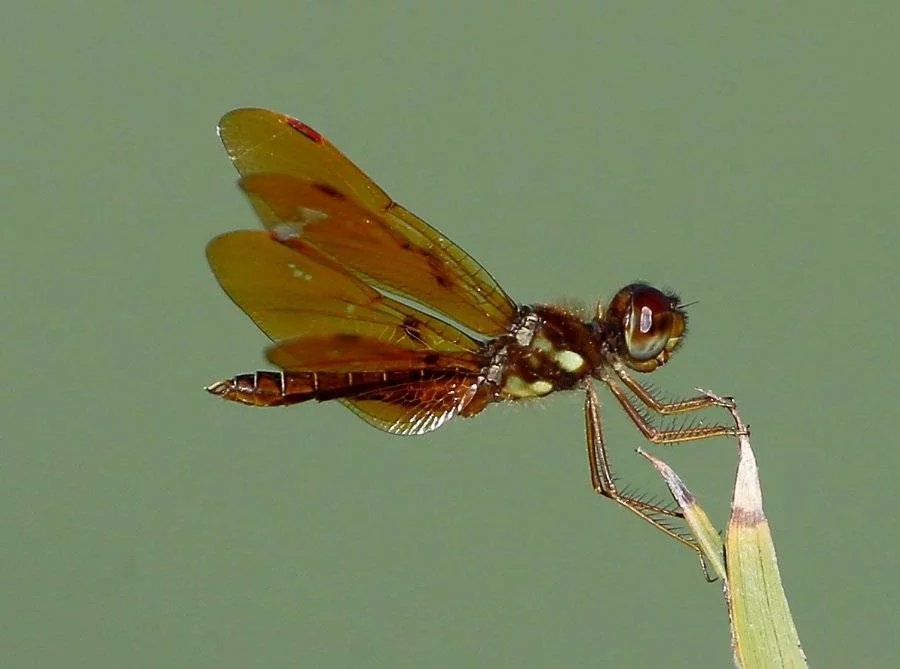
column 652, row 433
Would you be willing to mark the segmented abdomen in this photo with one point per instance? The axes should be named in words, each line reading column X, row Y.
column 284, row 388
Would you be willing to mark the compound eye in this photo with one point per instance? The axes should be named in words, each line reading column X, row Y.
column 653, row 327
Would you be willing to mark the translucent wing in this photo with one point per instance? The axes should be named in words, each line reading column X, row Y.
column 342, row 352
column 295, row 292
column 416, row 408
column 301, row 186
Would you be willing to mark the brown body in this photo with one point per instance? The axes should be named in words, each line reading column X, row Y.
column 319, row 282
column 546, row 349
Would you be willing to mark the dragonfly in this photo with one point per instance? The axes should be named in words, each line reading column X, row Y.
column 368, row 305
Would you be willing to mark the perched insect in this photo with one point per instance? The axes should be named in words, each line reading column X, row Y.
column 319, row 279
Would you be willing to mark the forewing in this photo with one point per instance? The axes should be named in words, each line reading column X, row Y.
column 296, row 179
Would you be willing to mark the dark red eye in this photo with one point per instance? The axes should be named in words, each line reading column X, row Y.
column 652, row 325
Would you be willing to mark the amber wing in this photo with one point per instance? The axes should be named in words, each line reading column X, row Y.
column 422, row 407
column 296, row 293
column 303, row 187
column 331, row 324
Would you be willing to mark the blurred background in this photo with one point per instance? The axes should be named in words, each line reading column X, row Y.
column 747, row 157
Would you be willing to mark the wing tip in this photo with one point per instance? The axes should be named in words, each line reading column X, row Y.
column 243, row 113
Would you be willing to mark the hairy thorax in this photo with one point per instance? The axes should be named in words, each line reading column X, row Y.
column 548, row 348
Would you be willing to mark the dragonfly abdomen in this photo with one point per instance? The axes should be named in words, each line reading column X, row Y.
column 268, row 388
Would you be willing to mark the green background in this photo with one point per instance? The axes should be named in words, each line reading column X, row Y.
column 746, row 156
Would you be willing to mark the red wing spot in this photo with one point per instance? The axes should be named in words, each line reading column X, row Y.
column 305, row 130
column 330, row 191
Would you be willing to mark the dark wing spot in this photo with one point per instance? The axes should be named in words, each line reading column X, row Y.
column 329, row 190
column 436, row 265
column 412, row 329
column 431, row 358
